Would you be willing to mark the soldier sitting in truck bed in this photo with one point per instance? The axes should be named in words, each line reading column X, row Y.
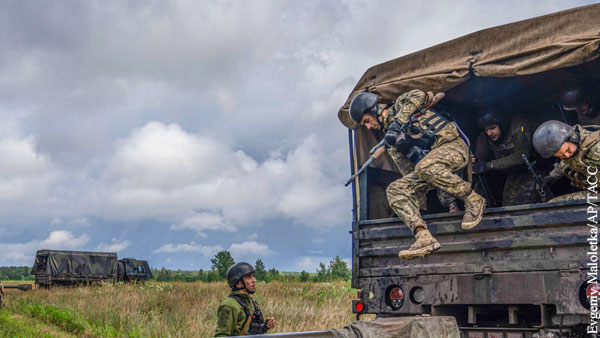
column 416, row 135
column 581, row 98
column 499, row 147
column 579, row 151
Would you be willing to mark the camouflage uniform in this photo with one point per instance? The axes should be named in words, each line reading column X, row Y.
column 576, row 167
column 506, row 156
column 1, row 295
column 438, row 168
column 231, row 317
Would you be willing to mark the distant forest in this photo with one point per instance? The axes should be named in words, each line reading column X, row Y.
column 16, row 273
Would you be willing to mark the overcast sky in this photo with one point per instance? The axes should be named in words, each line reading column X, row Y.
column 171, row 130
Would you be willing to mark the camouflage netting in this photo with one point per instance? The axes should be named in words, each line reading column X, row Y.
column 401, row 327
column 557, row 40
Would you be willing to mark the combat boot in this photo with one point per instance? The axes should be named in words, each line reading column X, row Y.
column 474, row 206
column 424, row 245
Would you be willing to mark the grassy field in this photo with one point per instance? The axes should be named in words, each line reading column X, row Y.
column 166, row 309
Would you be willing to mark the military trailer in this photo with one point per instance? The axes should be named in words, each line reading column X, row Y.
column 59, row 267
column 131, row 269
column 523, row 271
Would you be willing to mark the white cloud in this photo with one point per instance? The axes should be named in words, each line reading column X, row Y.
column 206, row 251
column 24, row 253
column 72, row 222
column 201, row 184
column 114, row 246
column 62, row 239
column 203, row 221
column 311, row 263
column 249, row 249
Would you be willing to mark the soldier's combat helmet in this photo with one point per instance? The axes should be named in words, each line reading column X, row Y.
column 550, row 136
column 488, row 119
column 573, row 95
column 236, row 272
column 361, row 104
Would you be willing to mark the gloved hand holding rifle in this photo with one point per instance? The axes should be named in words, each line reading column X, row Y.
column 395, row 134
column 541, row 184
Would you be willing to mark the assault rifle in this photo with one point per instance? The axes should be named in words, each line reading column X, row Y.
column 542, row 188
column 364, row 166
column 375, row 154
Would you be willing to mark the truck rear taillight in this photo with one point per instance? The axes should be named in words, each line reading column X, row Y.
column 588, row 294
column 395, row 297
column 592, row 290
column 358, row 306
column 417, row 295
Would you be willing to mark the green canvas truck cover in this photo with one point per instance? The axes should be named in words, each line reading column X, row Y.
column 557, row 40
column 76, row 263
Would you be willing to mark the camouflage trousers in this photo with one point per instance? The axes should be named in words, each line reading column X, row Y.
column 406, row 167
column 436, row 170
column 519, row 188
column 579, row 195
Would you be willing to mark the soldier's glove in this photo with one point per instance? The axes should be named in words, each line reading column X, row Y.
column 480, row 167
column 393, row 135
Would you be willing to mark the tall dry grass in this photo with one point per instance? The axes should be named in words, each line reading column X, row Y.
column 180, row 309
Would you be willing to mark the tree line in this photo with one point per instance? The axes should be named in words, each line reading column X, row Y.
column 16, row 273
column 337, row 269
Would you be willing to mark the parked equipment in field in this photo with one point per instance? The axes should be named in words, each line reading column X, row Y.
column 131, row 269
column 22, row 287
column 59, row 267
column 523, row 271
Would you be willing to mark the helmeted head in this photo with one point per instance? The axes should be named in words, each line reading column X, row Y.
column 549, row 137
column 363, row 103
column 236, row 274
column 574, row 96
column 490, row 122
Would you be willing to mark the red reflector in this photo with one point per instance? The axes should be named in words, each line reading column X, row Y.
column 593, row 290
column 397, row 293
column 358, row 294
column 358, row 307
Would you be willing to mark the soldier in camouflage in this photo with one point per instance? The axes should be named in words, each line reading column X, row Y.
column 577, row 96
column 579, row 151
column 500, row 148
column 1, row 293
column 238, row 314
column 424, row 165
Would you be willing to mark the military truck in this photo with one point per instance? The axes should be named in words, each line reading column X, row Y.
column 523, row 271
column 59, row 267
column 131, row 269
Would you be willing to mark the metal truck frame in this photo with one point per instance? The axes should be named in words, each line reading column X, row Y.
column 523, row 271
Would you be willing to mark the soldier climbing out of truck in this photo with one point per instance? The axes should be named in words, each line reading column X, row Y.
column 419, row 137
column 239, row 314
column 579, row 151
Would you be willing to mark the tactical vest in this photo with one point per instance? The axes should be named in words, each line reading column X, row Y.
column 576, row 168
column 420, row 136
column 257, row 322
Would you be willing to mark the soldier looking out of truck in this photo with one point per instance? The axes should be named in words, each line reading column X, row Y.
column 419, row 137
column 578, row 149
column 578, row 97
column 499, row 148
column 239, row 314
